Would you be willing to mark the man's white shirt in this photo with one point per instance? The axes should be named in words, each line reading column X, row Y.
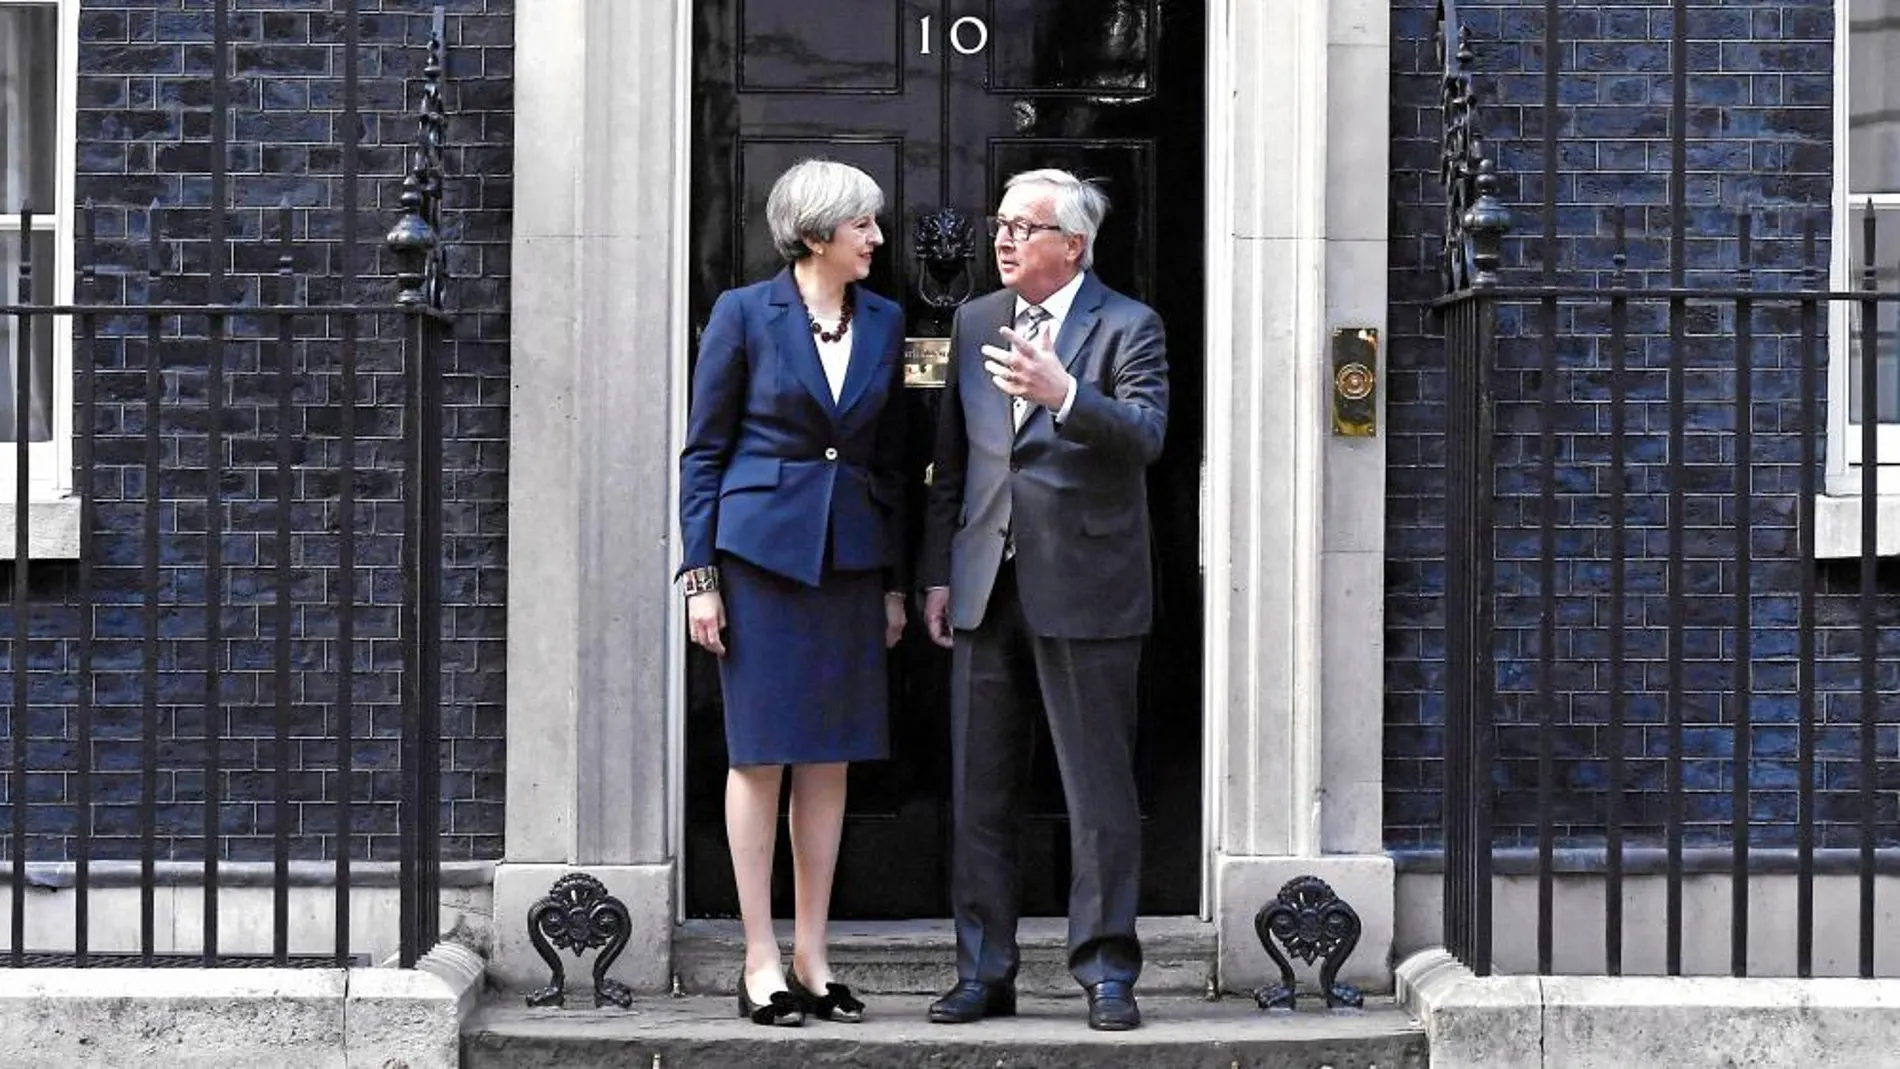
column 1057, row 306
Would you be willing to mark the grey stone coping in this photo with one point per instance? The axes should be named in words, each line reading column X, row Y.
column 310, row 1018
column 1654, row 861
column 1647, row 1022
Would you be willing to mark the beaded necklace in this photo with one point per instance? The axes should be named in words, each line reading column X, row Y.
column 844, row 320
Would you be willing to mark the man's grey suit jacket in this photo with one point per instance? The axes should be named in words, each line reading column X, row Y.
column 1074, row 495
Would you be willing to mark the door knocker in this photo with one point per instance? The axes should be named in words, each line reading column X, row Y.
column 945, row 241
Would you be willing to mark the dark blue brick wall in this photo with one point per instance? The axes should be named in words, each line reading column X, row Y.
column 1760, row 139
column 144, row 124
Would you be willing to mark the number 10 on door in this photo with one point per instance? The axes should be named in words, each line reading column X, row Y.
column 968, row 35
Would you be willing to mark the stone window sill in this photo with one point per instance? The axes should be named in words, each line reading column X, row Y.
column 1837, row 526
column 52, row 528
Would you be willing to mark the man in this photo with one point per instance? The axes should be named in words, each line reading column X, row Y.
column 1037, row 572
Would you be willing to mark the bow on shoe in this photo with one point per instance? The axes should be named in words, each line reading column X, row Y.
column 836, row 1004
column 781, row 1009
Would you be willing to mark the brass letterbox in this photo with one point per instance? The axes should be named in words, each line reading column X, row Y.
column 926, row 363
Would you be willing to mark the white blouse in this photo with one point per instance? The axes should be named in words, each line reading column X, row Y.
column 836, row 356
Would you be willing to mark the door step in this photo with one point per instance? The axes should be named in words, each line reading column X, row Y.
column 1178, row 1032
column 919, row 957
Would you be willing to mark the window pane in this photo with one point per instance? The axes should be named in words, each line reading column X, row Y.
column 40, row 363
column 29, row 127
column 1887, row 362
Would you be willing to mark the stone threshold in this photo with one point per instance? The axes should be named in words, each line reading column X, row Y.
column 918, row 957
column 1179, row 1032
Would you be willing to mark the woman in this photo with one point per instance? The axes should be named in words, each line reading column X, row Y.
column 794, row 567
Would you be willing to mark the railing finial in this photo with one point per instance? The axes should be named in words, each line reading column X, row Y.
column 416, row 239
column 1476, row 221
column 1485, row 223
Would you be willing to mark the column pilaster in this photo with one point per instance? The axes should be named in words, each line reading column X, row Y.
column 598, row 332
column 1297, row 249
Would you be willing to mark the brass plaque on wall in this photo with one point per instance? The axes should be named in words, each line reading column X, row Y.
column 1356, row 382
column 926, row 363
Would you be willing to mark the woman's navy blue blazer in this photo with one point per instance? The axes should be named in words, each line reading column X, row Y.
column 776, row 472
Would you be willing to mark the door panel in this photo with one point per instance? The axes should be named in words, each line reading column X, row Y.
column 1110, row 89
column 796, row 47
column 1099, row 48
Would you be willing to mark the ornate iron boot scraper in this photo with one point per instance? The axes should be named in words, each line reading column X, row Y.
column 579, row 915
column 1311, row 922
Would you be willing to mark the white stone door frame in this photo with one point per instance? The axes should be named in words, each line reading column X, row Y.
column 1292, row 524
column 1295, row 516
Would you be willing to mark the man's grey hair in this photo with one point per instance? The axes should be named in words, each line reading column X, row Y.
column 814, row 198
column 1080, row 205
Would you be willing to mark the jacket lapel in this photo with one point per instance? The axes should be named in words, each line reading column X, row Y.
column 796, row 347
column 990, row 332
column 867, row 338
column 1080, row 322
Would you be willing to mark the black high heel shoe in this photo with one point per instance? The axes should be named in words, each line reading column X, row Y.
column 782, row 1009
column 837, row 1004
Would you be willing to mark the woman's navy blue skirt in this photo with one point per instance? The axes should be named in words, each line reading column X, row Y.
column 804, row 676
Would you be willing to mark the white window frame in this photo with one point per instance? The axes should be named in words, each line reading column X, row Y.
column 1843, row 435
column 52, row 460
column 52, row 510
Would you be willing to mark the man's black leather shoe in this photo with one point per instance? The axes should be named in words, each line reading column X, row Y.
column 1112, row 1006
column 973, row 1000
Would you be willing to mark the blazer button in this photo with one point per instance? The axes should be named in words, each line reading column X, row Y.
column 831, row 454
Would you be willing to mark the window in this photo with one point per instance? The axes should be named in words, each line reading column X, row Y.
column 1866, row 177
column 37, row 77
column 1866, row 174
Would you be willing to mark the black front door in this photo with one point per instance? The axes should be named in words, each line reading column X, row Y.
column 940, row 101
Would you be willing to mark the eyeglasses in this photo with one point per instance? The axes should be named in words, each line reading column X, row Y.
column 1018, row 229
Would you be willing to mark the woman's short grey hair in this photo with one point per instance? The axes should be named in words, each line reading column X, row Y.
column 814, row 198
column 1080, row 205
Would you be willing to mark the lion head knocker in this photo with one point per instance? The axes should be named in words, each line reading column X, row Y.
column 945, row 241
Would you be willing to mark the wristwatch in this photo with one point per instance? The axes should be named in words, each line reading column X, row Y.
column 699, row 581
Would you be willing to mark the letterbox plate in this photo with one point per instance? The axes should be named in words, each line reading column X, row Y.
column 926, row 363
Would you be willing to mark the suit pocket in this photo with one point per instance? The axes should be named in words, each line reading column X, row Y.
column 750, row 473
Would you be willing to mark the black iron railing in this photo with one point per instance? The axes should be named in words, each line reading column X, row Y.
column 1474, row 226
column 1647, row 662
column 226, row 496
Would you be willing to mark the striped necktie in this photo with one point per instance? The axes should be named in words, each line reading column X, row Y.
column 1029, row 324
